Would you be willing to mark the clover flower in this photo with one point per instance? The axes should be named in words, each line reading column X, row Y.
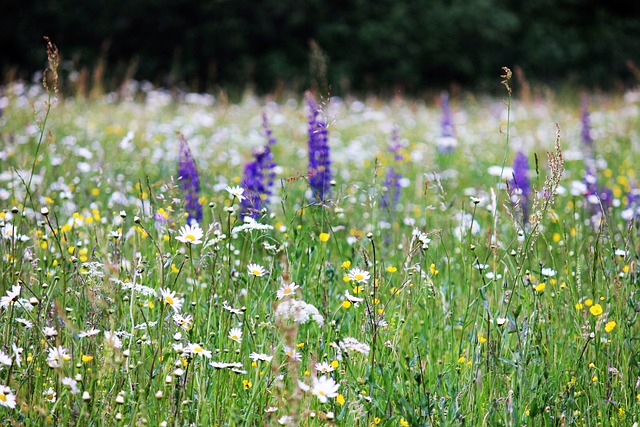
column 189, row 181
column 319, row 162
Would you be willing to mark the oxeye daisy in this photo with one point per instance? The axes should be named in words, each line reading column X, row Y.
column 57, row 355
column 324, row 388
column 7, row 398
column 197, row 349
column 235, row 334
column 358, row 275
column 169, row 297
column 256, row 270
column 260, row 356
column 11, row 296
column 324, row 367
column 190, row 234
column 286, row 290
column 236, row 192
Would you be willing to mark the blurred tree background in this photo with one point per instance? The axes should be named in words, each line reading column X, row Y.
column 382, row 45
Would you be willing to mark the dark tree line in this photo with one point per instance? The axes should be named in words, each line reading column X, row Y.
column 370, row 45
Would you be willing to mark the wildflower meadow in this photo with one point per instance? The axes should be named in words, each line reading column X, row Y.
column 178, row 259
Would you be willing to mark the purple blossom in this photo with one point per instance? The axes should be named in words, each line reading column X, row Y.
column 391, row 188
column 319, row 162
column 189, row 181
column 585, row 121
column 446, row 125
column 447, row 141
column 599, row 197
column 521, row 182
column 258, row 175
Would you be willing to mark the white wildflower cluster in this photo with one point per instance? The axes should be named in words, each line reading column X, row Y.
column 353, row 345
column 137, row 288
column 93, row 270
column 9, row 232
column 250, row 224
column 298, row 311
column 216, row 237
column 323, row 388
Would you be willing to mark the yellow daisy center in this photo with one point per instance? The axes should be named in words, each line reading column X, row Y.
column 169, row 300
column 359, row 276
column 190, row 237
column 197, row 349
column 256, row 272
column 3, row 397
column 287, row 291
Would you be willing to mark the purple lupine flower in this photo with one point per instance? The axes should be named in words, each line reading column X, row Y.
column 632, row 209
column 521, row 182
column 446, row 126
column 391, row 187
column 447, row 141
column 189, row 181
column 597, row 195
column 585, row 133
column 319, row 162
column 258, row 175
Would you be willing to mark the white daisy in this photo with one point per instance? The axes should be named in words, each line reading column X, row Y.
column 50, row 395
column 72, row 384
column 236, row 192
column 11, row 296
column 27, row 323
column 292, row 353
column 190, row 234
column 260, row 356
column 89, row 333
column 256, row 270
column 358, row 275
column 286, row 290
column 5, row 359
column 112, row 340
column 169, row 297
column 183, row 321
column 235, row 334
column 549, row 272
column 324, row 388
column 57, row 355
column 226, row 306
column 49, row 331
column 193, row 348
column 351, row 298
column 324, row 367
column 7, row 398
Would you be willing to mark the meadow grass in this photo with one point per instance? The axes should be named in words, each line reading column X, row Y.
column 448, row 307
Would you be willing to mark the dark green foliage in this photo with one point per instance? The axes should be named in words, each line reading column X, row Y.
column 407, row 45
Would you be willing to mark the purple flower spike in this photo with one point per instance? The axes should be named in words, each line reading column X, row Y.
column 446, row 126
column 319, row 162
column 189, row 181
column 521, row 182
column 258, row 176
column 391, row 191
column 447, row 142
column 585, row 133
